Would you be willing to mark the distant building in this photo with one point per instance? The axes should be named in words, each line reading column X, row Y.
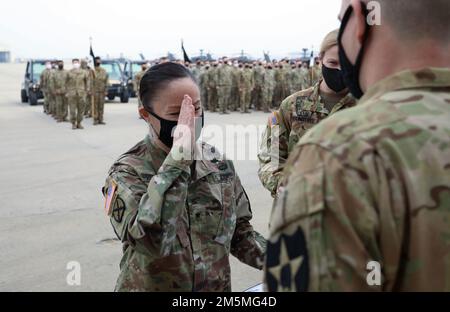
column 5, row 54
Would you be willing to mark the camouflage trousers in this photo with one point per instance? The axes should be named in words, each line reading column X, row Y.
column 77, row 105
column 245, row 98
column 99, row 106
column 61, row 107
column 257, row 97
column 88, row 107
column 235, row 99
column 46, row 102
column 52, row 104
column 205, row 98
column 224, row 92
column 267, row 99
column 212, row 99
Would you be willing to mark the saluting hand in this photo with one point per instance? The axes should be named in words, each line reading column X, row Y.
column 184, row 136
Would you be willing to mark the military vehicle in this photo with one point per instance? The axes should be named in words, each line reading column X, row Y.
column 131, row 68
column 118, row 81
column 31, row 91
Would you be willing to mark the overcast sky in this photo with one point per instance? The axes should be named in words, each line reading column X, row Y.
column 52, row 28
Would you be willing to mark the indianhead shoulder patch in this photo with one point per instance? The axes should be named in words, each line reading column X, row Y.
column 287, row 263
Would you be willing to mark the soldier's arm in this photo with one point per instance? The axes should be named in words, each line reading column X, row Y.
column 106, row 81
column 146, row 216
column 324, row 228
column 273, row 152
column 247, row 245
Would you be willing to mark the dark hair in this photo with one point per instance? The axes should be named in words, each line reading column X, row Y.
column 157, row 78
column 97, row 58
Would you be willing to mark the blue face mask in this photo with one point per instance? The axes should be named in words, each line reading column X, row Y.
column 350, row 72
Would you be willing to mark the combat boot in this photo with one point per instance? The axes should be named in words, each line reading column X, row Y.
column 74, row 127
column 79, row 126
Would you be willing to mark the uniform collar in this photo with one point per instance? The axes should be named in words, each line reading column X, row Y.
column 347, row 101
column 410, row 79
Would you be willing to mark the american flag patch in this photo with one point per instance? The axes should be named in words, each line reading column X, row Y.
column 273, row 119
column 110, row 198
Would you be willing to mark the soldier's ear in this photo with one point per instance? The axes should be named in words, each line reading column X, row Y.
column 144, row 114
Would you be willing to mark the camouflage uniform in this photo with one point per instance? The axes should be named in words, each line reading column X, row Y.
column 212, row 89
column 257, row 94
column 371, row 183
column 137, row 82
column 306, row 79
column 268, row 89
column 204, row 82
column 225, row 80
column 296, row 115
column 52, row 95
column 77, row 88
column 58, row 85
column 44, row 83
column 235, row 98
column 279, row 87
column 179, row 226
column 316, row 74
column 246, row 83
column 296, row 81
column 90, row 96
column 100, row 89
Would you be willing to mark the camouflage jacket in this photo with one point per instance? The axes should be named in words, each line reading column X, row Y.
column 178, row 223
column 58, row 82
column 316, row 74
column 297, row 114
column 45, row 80
column 137, row 80
column 246, row 79
column 78, row 82
column 258, row 73
column 224, row 76
column 370, row 185
column 100, row 80
column 269, row 79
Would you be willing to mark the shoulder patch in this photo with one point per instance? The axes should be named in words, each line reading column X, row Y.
column 274, row 119
column 287, row 263
column 118, row 210
column 110, row 196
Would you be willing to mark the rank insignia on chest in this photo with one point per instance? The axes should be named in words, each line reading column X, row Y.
column 110, row 197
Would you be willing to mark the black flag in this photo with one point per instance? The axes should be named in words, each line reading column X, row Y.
column 91, row 53
column 186, row 57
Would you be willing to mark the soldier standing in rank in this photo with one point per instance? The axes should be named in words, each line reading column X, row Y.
column 44, row 83
column 58, row 85
column 258, row 77
column 179, row 219
column 246, row 83
column 268, row 88
column 78, row 88
column 100, row 90
column 299, row 113
column 137, row 80
column 90, row 96
column 224, row 79
column 51, row 92
column 204, row 82
column 235, row 98
column 212, row 87
column 369, row 187
column 316, row 71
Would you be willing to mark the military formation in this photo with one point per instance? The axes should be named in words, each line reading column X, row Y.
column 230, row 86
column 76, row 94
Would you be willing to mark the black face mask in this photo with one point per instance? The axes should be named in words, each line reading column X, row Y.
column 168, row 129
column 333, row 78
column 351, row 72
column 61, row 67
column 97, row 64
